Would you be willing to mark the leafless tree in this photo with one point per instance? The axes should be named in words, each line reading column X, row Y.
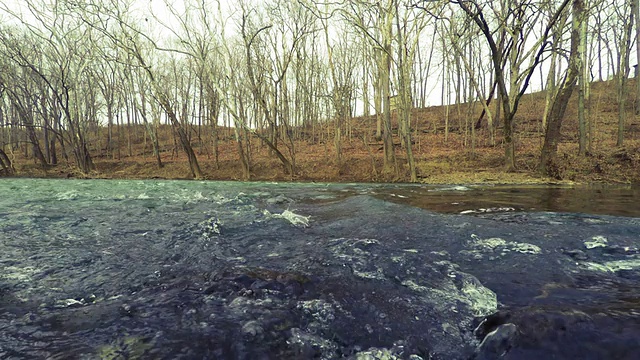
column 61, row 62
column 126, row 36
column 514, row 20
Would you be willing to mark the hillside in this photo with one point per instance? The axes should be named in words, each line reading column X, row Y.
column 439, row 159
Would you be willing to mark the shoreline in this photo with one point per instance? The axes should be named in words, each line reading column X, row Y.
column 172, row 171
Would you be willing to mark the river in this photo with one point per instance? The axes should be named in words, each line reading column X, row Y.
column 107, row 269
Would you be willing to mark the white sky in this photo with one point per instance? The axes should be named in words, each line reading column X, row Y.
column 148, row 8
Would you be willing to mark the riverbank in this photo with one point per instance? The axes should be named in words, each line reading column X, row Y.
column 446, row 146
column 438, row 165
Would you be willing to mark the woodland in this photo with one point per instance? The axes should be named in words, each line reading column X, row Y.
column 390, row 90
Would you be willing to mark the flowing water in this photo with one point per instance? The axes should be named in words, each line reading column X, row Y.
column 220, row 270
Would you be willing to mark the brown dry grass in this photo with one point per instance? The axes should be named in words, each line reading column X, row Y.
column 438, row 161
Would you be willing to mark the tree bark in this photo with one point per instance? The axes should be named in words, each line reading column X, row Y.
column 387, row 140
column 636, row 7
column 27, row 121
column 5, row 163
column 377, row 96
column 582, row 87
column 194, row 167
column 552, row 134
column 623, row 73
column 150, row 129
column 404, row 65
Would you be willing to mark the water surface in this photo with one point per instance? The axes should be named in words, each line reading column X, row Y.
column 221, row 270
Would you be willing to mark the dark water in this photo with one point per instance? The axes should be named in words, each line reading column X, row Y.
column 218, row 270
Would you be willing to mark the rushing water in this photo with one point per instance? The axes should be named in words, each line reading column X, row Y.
column 220, row 270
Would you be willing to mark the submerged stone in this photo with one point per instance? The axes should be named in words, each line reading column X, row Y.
column 577, row 254
column 614, row 266
column 482, row 300
column 497, row 343
column 280, row 199
column 128, row 347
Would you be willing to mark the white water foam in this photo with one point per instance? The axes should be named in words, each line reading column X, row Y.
column 502, row 246
column 293, row 218
column 453, row 188
column 596, row 242
column 67, row 195
column 489, row 210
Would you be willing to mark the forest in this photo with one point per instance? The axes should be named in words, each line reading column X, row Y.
column 358, row 90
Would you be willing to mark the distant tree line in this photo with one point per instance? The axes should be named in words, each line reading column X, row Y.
column 75, row 72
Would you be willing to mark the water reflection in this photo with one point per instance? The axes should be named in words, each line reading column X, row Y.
column 601, row 200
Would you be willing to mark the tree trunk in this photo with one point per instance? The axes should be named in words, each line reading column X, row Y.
column 150, row 129
column 404, row 88
column 196, row 173
column 552, row 135
column 366, row 104
column 25, row 115
column 387, row 139
column 27, row 121
column 623, row 73
column 45, row 127
column 37, row 152
column 183, row 137
column 213, row 109
column 582, row 88
column 636, row 6
column 246, row 174
column 288, row 169
column 244, row 155
column 551, row 86
column 509, row 145
column 5, row 163
column 77, row 137
column 53, row 160
column 377, row 98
